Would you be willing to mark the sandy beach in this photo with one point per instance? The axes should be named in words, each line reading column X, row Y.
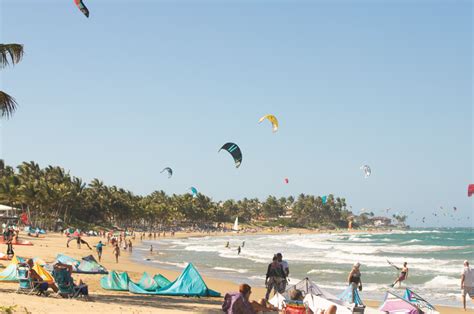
column 118, row 302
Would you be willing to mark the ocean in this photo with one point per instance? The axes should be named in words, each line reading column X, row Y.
column 434, row 256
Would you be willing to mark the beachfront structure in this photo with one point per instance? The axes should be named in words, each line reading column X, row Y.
column 381, row 221
column 9, row 211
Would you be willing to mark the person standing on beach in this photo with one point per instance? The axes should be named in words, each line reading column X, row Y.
column 403, row 275
column 286, row 269
column 354, row 279
column 130, row 245
column 98, row 248
column 116, row 252
column 274, row 277
column 467, row 283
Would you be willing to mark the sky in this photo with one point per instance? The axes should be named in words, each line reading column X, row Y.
column 143, row 86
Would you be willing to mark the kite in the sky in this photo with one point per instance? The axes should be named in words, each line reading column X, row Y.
column 194, row 191
column 470, row 190
column 272, row 119
column 367, row 171
column 287, row 181
column 82, row 7
column 234, row 150
column 169, row 171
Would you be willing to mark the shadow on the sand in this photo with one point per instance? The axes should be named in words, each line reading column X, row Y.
column 162, row 302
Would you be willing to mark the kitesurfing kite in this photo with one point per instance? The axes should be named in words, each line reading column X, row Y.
column 194, row 191
column 234, row 150
column 272, row 119
column 324, row 199
column 470, row 190
column 169, row 171
column 287, row 181
column 82, row 7
column 367, row 171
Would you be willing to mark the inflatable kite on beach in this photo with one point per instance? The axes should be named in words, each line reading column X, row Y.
column 367, row 171
column 272, row 119
column 169, row 171
column 324, row 199
column 82, row 7
column 470, row 190
column 194, row 191
column 234, row 150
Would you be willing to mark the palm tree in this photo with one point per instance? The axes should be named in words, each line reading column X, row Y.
column 10, row 53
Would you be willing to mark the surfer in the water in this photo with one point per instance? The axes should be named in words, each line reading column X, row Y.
column 403, row 275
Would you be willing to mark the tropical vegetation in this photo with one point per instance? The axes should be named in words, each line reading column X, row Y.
column 9, row 54
column 51, row 194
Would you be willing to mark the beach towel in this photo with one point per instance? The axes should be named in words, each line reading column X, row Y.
column 43, row 273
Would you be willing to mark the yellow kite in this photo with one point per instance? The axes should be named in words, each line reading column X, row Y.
column 272, row 119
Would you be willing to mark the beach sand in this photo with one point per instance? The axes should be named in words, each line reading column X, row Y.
column 103, row 301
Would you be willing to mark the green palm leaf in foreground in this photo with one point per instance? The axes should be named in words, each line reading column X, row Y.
column 9, row 54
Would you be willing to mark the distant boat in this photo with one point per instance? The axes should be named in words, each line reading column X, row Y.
column 236, row 224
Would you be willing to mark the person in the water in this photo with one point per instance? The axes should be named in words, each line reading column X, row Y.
column 403, row 275
column 227, row 245
column 238, row 250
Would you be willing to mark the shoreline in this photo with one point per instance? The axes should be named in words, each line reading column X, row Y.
column 124, row 302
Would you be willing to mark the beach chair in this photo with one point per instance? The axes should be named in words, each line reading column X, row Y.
column 26, row 284
column 66, row 288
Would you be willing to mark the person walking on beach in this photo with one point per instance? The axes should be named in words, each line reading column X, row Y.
column 467, row 283
column 354, row 279
column 98, row 248
column 238, row 250
column 116, row 252
column 274, row 277
column 286, row 269
column 130, row 245
column 403, row 275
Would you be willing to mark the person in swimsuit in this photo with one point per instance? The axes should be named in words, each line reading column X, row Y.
column 354, row 279
column 403, row 275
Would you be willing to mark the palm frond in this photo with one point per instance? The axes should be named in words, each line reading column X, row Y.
column 8, row 105
column 10, row 53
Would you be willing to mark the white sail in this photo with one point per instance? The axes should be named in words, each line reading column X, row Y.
column 236, row 224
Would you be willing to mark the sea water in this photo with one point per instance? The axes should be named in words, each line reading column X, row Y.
column 434, row 256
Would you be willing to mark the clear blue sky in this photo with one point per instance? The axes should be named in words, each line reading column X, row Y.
column 138, row 87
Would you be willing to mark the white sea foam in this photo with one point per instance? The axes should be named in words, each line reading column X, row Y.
column 441, row 282
column 325, row 271
column 241, row 271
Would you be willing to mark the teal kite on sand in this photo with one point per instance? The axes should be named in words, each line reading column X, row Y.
column 147, row 283
column 189, row 283
column 9, row 274
column 115, row 281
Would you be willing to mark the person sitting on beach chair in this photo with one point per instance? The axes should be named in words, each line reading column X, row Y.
column 62, row 274
column 29, row 280
column 239, row 303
